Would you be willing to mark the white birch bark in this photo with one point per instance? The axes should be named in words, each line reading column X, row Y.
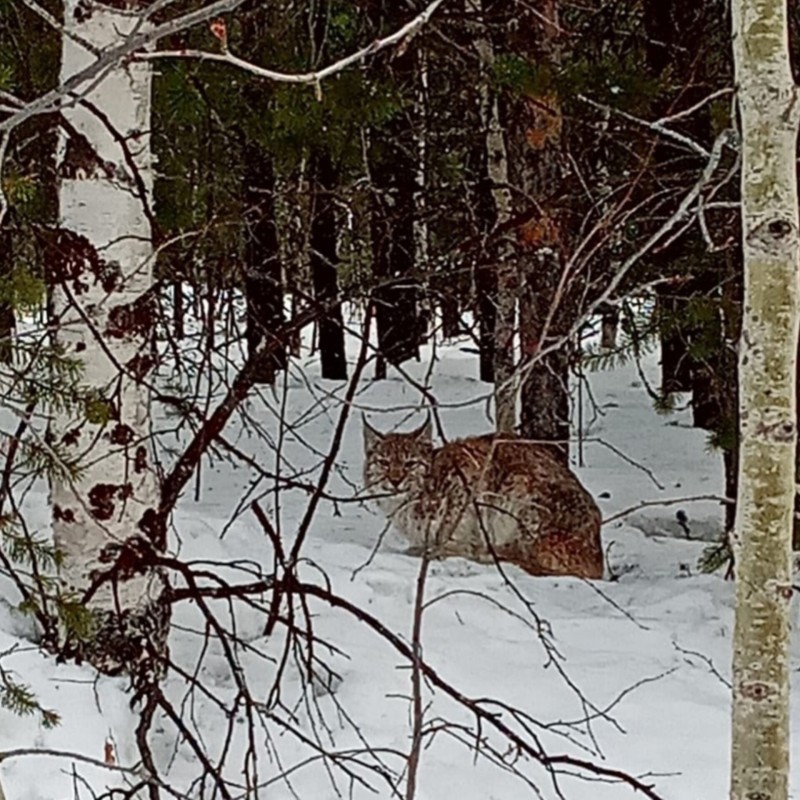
column 421, row 239
column 101, row 201
column 497, row 167
column 769, row 114
column 420, row 223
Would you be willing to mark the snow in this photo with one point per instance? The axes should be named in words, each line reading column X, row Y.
column 631, row 675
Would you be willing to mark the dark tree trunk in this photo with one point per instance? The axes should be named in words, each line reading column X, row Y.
column 451, row 314
column 484, row 266
column 730, row 461
column 486, row 312
column 538, row 165
column 6, row 308
column 544, row 394
column 544, row 414
column 178, row 309
column 732, row 296
column 262, row 279
column 677, row 365
column 393, row 168
column 324, row 275
column 395, row 296
column 715, row 403
column 609, row 327
column 706, row 400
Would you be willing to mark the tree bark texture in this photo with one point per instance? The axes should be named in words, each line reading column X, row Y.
column 393, row 261
column 263, row 281
column 676, row 363
column 393, row 169
column 609, row 327
column 502, row 291
column 729, row 367
column 769, row 113
column 324, row 274
column 6, row 307
column 484, row 274
column 100, row 265
column 538, row 167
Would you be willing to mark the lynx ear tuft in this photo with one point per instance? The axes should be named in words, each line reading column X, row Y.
column 371, row 436
column 425, row 431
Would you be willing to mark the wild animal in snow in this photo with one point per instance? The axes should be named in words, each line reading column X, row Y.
column 488, row 498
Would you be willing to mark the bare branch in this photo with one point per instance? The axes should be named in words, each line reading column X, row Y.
column 313, row 78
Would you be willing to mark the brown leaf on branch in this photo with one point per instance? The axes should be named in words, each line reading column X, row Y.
column 220, row 30
column 541, row 232
column 546, row 121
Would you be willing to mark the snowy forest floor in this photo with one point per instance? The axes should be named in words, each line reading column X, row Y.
column 639, row 681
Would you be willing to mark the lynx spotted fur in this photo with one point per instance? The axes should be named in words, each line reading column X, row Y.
column 485, row 498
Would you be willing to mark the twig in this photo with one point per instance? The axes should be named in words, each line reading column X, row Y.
column 670, row 502
column 416, row 682
column 305, row 78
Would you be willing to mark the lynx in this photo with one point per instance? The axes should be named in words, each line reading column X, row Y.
column 486, row 498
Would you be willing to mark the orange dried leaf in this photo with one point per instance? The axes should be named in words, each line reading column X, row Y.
column 546, row 121
column 542, row 232
column 220, row 30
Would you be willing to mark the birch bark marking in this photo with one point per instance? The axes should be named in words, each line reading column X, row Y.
column 769, row 118
column 101, row 266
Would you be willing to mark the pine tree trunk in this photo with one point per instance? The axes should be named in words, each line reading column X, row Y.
column 729, row 368
column 393, row 257
column 486, row 313
column 769, row 114
column 451, row 314
column 484, row 272
column 263, row 283
column 178, row 309
column 546, row 309
column 676, row 363
column 393, row 170
column 609, row 327
column 324, row 275
column 545, row 402
column 100, row 265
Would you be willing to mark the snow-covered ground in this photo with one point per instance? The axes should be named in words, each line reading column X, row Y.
column 633, row 676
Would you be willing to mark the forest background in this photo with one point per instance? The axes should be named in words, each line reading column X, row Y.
column 551, row 188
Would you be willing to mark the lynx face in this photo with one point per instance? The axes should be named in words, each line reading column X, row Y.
column 396, row 464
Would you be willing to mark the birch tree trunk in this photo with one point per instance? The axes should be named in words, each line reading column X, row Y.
column 101, row 270
column 769, row 112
